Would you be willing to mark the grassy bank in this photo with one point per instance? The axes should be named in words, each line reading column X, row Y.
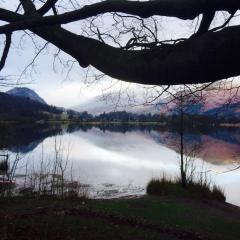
column 193, row 189
column 139, row 218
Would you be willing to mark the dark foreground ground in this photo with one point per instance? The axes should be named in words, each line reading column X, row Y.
column 165, row 218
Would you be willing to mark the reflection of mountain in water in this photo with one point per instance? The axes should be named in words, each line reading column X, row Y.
column 231, row 135
column 220, row 146
column 218, row 151
column 26, row 148
column 217, row 145
column 24, row 138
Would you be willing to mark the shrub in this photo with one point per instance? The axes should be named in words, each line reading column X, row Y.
column 162, row 186
column 155, row 187
column 218, row 193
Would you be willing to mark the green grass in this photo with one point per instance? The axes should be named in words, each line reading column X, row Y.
column 216, row 222
column 74, row 227
column 52, row 218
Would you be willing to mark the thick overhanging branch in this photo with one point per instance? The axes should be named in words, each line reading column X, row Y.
column 206, row 58
column 9, row 16
column 184, row 9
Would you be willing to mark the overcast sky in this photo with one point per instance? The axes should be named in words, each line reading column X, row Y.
column 50, row 82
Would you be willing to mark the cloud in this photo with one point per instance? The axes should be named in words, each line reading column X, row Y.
column 67, row 94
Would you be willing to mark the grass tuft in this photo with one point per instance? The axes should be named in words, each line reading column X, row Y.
column 164, row 187
column 218, row 193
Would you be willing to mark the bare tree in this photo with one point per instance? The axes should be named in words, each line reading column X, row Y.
column 183, row 100
column 60, row 164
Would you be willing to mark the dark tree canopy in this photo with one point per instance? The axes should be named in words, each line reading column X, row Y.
column 210, row 54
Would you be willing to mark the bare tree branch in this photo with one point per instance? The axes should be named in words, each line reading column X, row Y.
column 47, row 6
column 206, row 22
column 225, row 23
column 5, row 50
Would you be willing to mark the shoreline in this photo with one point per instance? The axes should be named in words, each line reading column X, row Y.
column 163, row 124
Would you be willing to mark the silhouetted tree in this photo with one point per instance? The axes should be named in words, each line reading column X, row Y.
column 183, row 102
column 208, row 55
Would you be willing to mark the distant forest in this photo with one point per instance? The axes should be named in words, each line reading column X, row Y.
column 128, row 117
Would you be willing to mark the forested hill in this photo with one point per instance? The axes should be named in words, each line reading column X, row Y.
column 22, row 108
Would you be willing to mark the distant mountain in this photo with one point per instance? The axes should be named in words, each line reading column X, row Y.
column 226, row 111
column 217, row 102
column 26, row 93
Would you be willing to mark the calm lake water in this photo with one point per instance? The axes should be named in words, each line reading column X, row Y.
column 119, row 160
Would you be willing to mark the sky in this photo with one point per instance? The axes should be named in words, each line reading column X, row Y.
column 52, row 81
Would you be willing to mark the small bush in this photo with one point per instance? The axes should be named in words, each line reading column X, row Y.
column 206, row 191
column 203, row 190
column 161, row 187
column 218, row 193
column 155, row 187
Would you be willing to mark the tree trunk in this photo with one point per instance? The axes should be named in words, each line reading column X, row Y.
column 183, row 171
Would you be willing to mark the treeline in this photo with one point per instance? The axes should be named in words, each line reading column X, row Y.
column 127, row 117
column 118, row 116
column 123, row 116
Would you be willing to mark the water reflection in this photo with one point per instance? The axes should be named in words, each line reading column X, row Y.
column 115, row 160
column 25, row 138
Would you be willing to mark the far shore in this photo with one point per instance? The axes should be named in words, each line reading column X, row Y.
column 237, row 125
column 228, row 125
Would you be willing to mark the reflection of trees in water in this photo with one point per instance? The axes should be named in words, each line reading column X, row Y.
column 120, row 128
column 24, row 138
column 76, row 127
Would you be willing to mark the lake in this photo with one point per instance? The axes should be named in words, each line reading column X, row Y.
column 119, row 160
